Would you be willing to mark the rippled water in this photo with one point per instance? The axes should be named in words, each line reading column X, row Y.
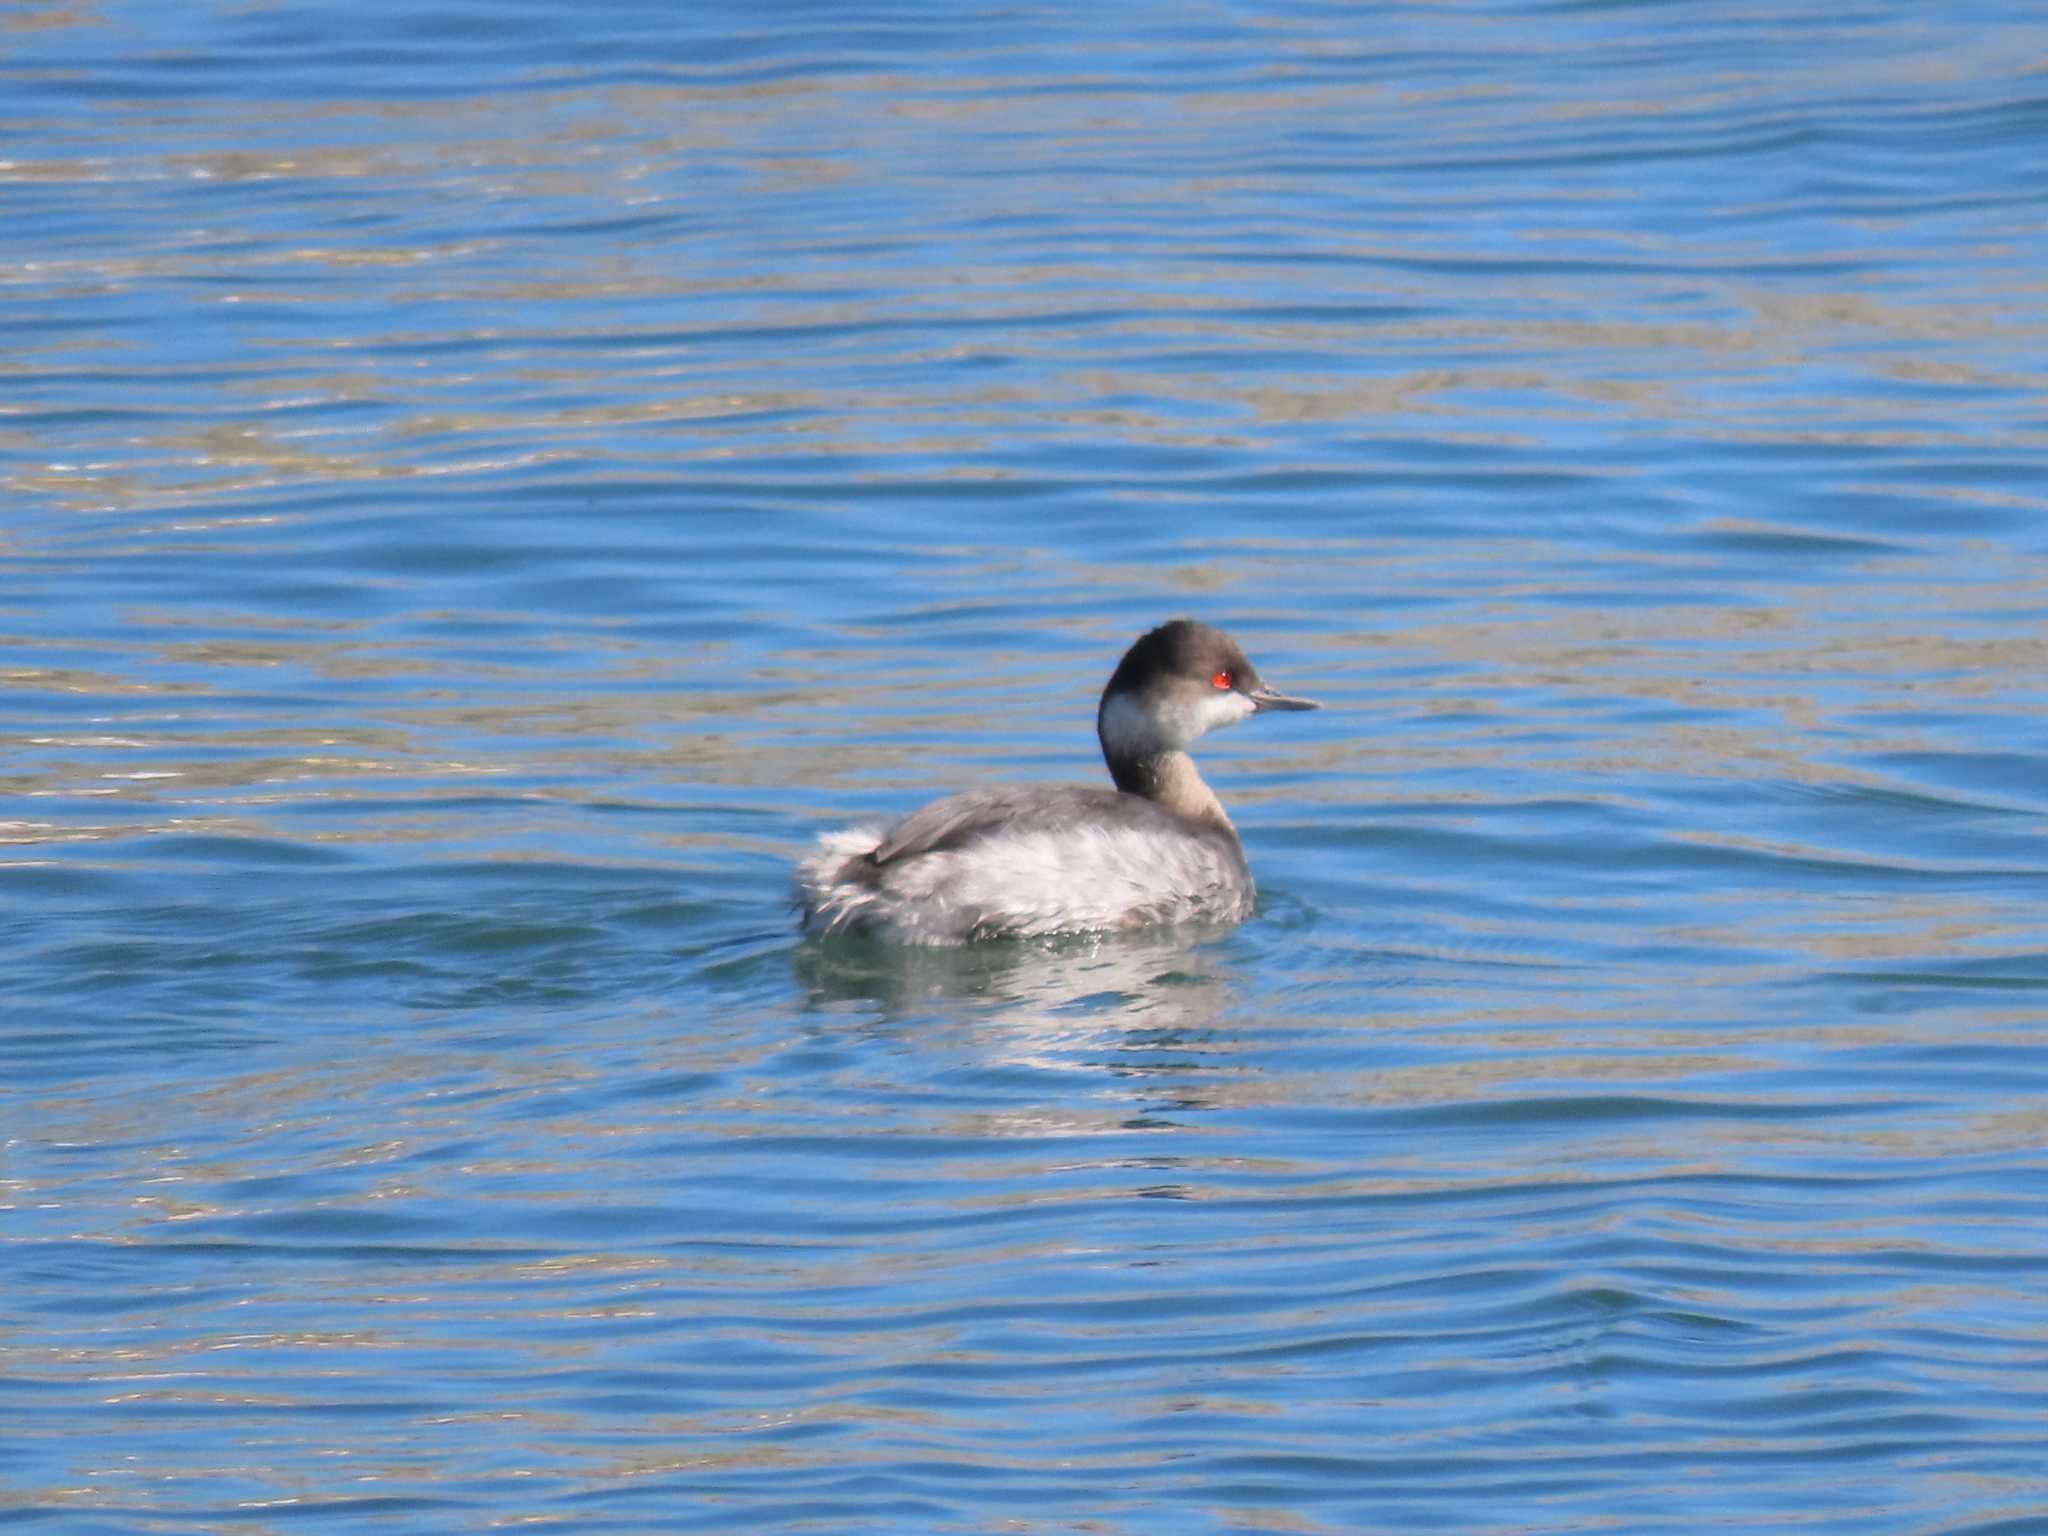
column 485, row 485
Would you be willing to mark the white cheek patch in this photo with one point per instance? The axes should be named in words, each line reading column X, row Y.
column 1131, row 730
column 1226, row 706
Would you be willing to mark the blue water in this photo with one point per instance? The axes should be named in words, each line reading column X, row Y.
column 487, row 484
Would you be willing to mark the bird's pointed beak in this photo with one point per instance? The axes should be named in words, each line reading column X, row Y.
column 1264, row 698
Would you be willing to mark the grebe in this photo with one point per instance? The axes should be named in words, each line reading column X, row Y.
column 1026, row 861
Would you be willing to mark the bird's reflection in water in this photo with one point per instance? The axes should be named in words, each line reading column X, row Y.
column 1073, row 1046
column 1166, row 979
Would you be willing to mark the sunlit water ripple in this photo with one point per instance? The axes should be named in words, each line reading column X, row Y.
column 488, row 484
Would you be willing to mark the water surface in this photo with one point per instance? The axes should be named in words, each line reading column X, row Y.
column 485, row 486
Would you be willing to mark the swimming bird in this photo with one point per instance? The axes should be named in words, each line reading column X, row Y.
column 1028, row 861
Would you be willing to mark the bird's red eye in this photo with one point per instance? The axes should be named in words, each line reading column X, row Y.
column 1221, row 679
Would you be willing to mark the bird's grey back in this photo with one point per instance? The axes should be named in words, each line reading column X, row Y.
column 961, row 819
column 1028, row 859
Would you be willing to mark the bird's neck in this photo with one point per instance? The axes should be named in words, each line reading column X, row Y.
column 1170, row 780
